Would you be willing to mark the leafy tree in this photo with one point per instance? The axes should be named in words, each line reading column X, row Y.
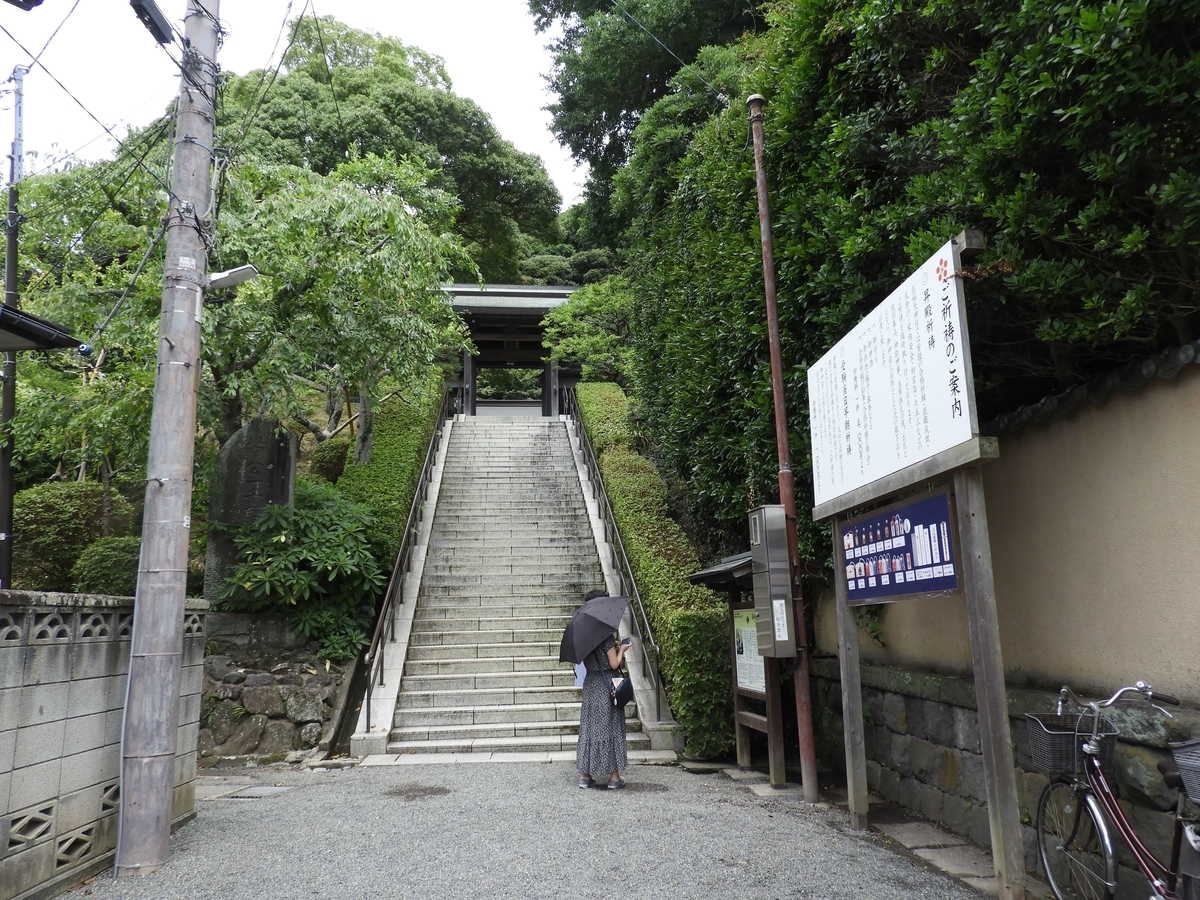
column 313, row 561
column 344, row 92
column 85, row 235
column 593, row 328
column 608, row 71
column 350, row 289
column 1063, row 132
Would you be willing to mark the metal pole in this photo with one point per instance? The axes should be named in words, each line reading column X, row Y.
column 787, row 494
column 8, row 376
column 152, row 699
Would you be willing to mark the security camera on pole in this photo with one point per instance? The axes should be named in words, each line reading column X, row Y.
column 152, row 701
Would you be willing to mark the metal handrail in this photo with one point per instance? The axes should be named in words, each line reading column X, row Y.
column 624, row 569
column 373, row 661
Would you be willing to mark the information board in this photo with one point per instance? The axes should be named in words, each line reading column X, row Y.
column 897, row 389
column 907, row 550
column 749, row 666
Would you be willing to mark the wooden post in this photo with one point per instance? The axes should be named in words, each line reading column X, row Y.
column 1008, row 853
column 852, row 715
column 776, row 765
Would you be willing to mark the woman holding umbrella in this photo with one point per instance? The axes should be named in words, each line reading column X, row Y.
column 601, row 749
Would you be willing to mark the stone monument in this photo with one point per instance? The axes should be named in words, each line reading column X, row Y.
column 256, row 467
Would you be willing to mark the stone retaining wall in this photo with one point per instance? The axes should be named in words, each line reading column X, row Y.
column 922, row 745
column 64, row 664
column 265, row 692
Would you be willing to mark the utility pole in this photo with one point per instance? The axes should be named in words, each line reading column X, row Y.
column 155, row 665
column 8, row 376
column 787, row 493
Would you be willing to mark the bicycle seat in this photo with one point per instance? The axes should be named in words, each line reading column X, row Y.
column 1170, row 773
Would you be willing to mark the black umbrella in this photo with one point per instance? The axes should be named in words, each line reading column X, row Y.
column 592, row 623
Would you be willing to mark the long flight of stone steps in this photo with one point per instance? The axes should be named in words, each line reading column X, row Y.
column 511, row 554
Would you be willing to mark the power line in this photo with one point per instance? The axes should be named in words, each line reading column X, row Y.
column 80, row 104
column 258, row 100
column 132, row 281
column 329, row 71
column 654, row 38
column 54, row 34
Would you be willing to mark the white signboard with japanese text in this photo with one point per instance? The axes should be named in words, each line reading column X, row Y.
column 897, row 389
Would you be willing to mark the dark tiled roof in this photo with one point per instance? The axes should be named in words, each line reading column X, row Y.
column 1130, row 377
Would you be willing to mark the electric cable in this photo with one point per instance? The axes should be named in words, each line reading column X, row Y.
column 100, row 174
column 132, row 281
column 329, row 71
column 80, row 104
column 54, row 34
column 654, row 38
column 258, row 100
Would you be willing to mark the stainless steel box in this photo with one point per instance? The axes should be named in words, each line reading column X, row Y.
column 772, row 582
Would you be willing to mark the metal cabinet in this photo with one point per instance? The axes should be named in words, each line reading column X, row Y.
column 772, row 582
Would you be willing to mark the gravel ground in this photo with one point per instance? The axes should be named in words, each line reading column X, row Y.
column 520, row 830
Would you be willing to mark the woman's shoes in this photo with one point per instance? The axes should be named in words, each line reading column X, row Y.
column 614, row 783
column 585, row 781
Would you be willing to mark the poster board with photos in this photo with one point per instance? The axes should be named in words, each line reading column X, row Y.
column 903, row 551
column 749, row 666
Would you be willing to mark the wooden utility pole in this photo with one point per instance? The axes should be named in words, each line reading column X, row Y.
column 152, row 700
column 787, row 494
column 8, row 390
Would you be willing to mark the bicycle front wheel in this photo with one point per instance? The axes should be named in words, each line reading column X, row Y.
column 1074, row 844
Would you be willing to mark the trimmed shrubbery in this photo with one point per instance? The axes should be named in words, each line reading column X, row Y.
column 108, row 566
column 386, row 485
column 329, row 459
column 690, row 623
column 605, row 412
column 52, row 525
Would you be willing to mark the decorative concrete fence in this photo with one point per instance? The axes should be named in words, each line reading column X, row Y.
column 64, row 664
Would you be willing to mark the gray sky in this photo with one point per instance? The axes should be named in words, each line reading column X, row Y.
column 106, row 58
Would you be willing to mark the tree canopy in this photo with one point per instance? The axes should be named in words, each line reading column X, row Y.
column 1065, row 132
column 343, row 93
column 608, row 70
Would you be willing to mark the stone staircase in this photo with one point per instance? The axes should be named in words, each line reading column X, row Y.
column 511, row 553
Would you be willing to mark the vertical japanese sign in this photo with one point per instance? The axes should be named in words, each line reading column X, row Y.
column 897, row 389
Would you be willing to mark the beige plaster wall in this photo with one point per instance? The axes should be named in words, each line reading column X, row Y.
column 1095, row 525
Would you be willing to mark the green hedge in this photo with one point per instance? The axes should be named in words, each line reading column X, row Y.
column 108, row 566
column 329, row 458
column 52, row 525
column 690, row 623
column 605, row 411
column 386, row 485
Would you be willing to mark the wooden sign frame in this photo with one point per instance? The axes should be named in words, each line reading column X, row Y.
column 962, row 462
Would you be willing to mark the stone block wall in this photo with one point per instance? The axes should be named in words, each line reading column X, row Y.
column 64, row 665
column 921, row 733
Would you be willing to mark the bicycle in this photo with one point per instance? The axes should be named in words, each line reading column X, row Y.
column 1074, row 838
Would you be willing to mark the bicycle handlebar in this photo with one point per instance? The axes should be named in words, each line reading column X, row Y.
column 1144, row 690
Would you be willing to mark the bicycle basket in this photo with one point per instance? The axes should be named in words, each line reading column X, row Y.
column 1055, row 742
column 1187, row 757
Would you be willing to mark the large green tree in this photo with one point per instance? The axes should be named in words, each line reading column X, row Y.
column 608, row 70
column 1065, row 132
column 351, row 265
column 343, row 92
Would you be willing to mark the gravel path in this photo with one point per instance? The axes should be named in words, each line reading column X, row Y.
column 520, row 830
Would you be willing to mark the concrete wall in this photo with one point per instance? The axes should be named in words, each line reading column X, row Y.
column 1094, row 526
column 64, row 664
